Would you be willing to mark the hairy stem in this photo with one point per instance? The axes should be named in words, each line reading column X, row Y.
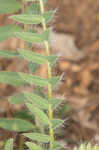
column 51, row 132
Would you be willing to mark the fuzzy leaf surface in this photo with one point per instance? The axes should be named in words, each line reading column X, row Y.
column 46, row 34
column 57, row 123
column 33, row 146
column 54, row 80
column 56, row 146
column 27, row 19
column 37, row 100
column 29, row 78
column 52, row 59
column 9, row 6
column 38, row 91
column 8, row 31
column 17, row 99
column 9, row 54
column 39, row 137
column 54, row 102
column 44, row 1
column 33, row 67
column 9, row 144
column 33, row 57
column 12, row 78
column 33, row 19
column 33, row 37
column 43, row 118
column 25, row 115
column 16, row 125
column 37, row 58
column 34, row 8
column 48, row 16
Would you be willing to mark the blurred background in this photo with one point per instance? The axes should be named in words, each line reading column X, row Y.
column 75, row 39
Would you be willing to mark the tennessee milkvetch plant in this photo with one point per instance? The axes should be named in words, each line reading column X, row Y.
column 40, row 105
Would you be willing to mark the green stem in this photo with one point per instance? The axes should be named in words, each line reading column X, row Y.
column 21, row 143
column 51, row 132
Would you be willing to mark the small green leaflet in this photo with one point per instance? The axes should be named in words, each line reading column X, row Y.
column 33, row 19
column 9, row 144
column 28, row 19
column 33, row 57
column 25, row 115
column 44, row 120
column 29, row 78
column 18, row 79
column 44, row 1
column 17, row 99
column 33, row 37
column 52, row 59
column 54, row 102
column 36, row 80
column 9, row 6
column 54, row 80
column 57, row 123
column 16, row 125
column 34, row 8
column 8, row 31
column 33, row 146
column 33, row 67
column 30, row 37
column 56, row 146
column 37, row 100
column 39, row 137
column 46, row 34
column 12, row 78
column 38, row 91
column 9, row 54
column 48, row 16
column 37, row 58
